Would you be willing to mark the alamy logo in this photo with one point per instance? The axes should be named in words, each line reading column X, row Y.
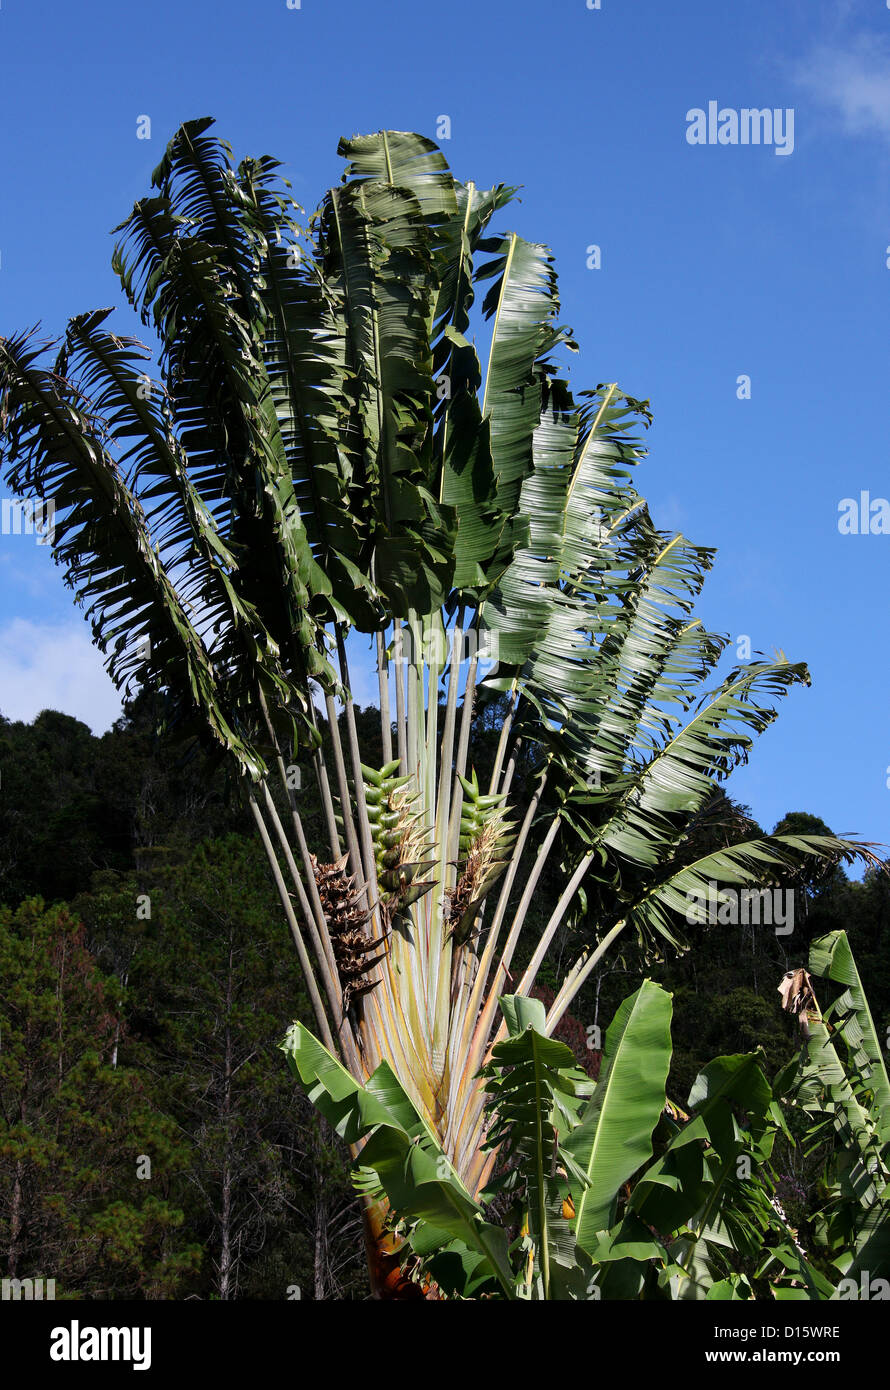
column 863, row 515
column 76, row 1343
column 868, row 1289
column 768, row 907
column 31, row 1290
column 439, row 647
column 747, row 126
column 28, row 517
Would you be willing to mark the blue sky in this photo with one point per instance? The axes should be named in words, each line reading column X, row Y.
column 718, row 261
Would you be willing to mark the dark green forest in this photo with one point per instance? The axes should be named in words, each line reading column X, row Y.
column 152, row 1142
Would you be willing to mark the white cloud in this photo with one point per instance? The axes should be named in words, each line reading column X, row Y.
column 852, row 81
column 54, row 666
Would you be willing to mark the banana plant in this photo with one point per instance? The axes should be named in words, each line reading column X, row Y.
column 602, row 1189
column 839, row 1082
column 313, row 451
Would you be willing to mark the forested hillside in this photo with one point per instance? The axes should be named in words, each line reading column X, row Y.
column 152, row 1142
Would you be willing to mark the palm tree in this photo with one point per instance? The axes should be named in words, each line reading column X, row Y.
column 323, row 452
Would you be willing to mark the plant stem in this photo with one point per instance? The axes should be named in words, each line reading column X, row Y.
column 447, row 873
column 324, row 787
column 383, row 683
column 415, row 702
column 401, row 724
column 528, row 979
column 502, row 741
column 463, row 744
column 305, row 963
column 314, row 914
column 511, row 767
column 527, row 895
column 355, row 860
column 504, row 898
column 577, row 975
column 366, row 842
column 478, row 1042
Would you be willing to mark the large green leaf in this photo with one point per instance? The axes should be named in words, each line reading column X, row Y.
column 192, row 258
column 663, row 904
column 304, row 357
column 832, row 958
column 678, row 1184
column 614, row 1137
column 399, row 1149
column 375, row 252
column 705, row 1194
column 843, row 1094
column 524, row 303
column 54, row 447
column 527, row 1075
